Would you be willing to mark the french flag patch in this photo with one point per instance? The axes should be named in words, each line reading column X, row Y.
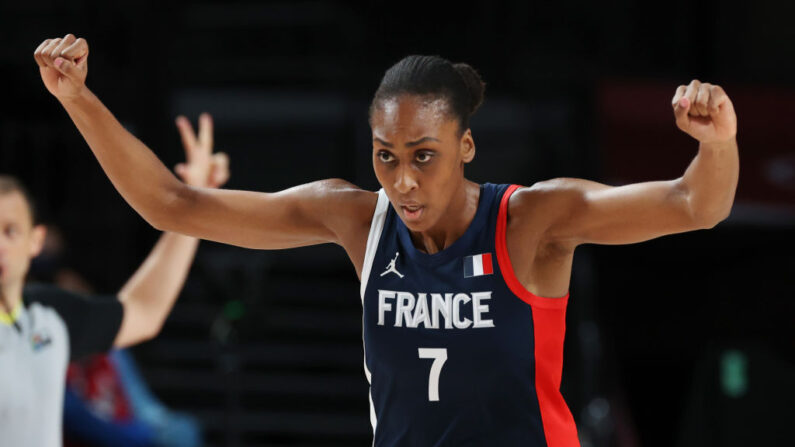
column 478, row 265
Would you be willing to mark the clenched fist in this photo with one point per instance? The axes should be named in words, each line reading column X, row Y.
column 704, row 112
column 63, row 64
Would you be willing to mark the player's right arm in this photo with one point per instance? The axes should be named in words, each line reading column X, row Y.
column 309, row 214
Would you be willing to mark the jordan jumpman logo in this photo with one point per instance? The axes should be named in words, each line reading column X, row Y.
column 391, row 267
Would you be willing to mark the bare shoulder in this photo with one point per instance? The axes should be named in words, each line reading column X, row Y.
column 559, row 187
column 344, row 191
column 349, row 210
column 541, row 262
column 536, row 212
column 554, row 197
column 351, row 205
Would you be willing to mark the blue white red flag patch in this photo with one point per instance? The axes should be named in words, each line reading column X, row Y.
column 478, row 265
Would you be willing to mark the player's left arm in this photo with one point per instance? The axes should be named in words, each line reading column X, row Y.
column 589, row 212
column 150, row 293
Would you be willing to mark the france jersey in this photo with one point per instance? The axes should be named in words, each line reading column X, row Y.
column 457, row 351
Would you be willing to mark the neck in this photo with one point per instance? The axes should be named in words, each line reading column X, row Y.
column 10, row 297
column 459, row 214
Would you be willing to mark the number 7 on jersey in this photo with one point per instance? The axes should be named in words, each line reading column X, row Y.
column 439, row 356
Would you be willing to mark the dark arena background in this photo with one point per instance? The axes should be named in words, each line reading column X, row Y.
column 686, row 340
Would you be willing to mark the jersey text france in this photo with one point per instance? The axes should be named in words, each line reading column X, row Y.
column 440, row 310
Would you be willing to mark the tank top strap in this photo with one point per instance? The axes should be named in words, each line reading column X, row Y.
column 374, row 238
column 494, row 194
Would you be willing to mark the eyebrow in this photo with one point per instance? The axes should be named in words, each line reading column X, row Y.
column 409, row 144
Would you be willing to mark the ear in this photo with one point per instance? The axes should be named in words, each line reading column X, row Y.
column 37, row 236
column 467, row 147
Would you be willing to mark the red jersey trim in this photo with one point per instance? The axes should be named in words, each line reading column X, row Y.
column 549, row 329
column 507, row 268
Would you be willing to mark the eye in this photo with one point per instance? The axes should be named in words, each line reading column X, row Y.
column 424, row 156
column 385, row 156
column 11, row 231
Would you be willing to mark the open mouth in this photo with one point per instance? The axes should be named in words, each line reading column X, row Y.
column 412, row 212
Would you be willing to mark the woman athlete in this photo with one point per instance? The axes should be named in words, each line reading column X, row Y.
column 464, row 286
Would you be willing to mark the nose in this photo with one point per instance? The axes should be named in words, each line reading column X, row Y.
column 405, row 180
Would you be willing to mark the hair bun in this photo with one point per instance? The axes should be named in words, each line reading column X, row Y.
column 474, row 83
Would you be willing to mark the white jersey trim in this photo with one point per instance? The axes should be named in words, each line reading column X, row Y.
column 376, row 227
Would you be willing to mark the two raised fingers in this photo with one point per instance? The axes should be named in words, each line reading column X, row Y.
column 205, row 137
column 704, row 98
column 68, row 47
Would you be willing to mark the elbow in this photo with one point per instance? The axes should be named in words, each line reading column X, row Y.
column 140, row 323
column 164, row 216
column 153, row 331
column 709, row 220
column 158, row 222
column 704, row 211
column 150, row 331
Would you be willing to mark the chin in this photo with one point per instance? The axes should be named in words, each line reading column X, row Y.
column 413, row 226
column 417, row 226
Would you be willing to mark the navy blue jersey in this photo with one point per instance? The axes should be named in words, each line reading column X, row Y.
column 457, row 351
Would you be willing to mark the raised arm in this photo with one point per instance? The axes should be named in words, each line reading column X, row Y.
column 581, row 211
column 308, row 214
column 150, row 293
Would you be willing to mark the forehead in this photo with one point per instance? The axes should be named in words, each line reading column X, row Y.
column 14, row 209
column 410, row 118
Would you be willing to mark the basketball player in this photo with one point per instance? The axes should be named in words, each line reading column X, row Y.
column 43, row 327
column 464, row 286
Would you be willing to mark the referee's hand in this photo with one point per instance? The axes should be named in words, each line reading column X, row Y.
column 705, row 112
column 63, row 64
column 202, row 167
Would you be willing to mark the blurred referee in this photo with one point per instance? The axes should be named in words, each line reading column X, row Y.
column 42, row 327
